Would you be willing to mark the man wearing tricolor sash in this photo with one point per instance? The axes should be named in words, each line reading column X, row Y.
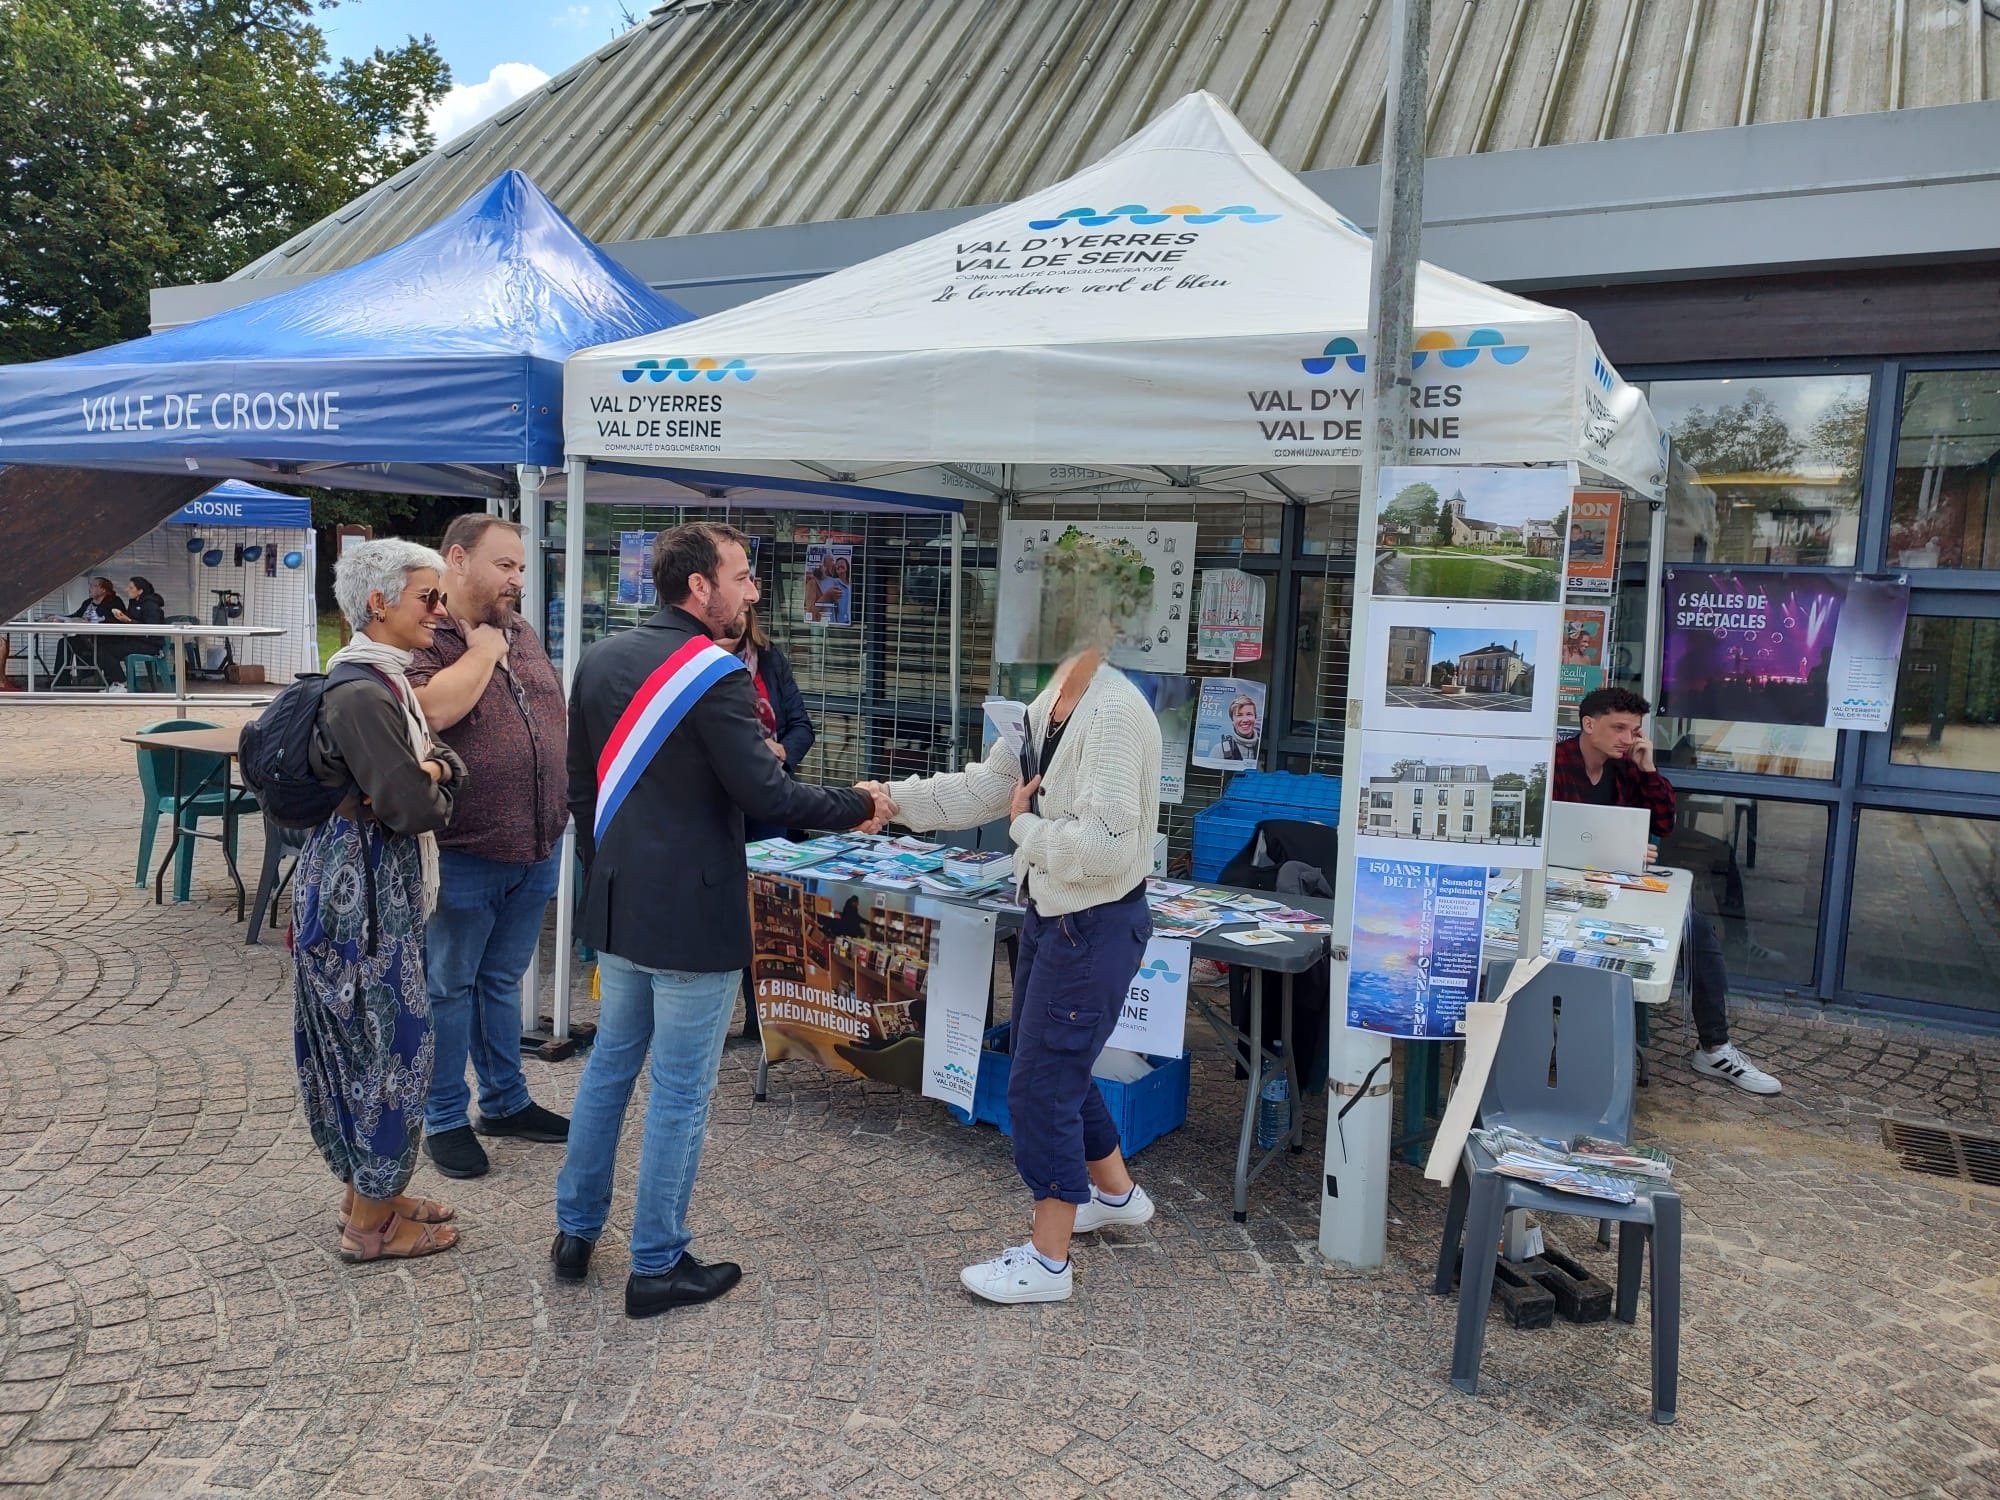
column 666, row 759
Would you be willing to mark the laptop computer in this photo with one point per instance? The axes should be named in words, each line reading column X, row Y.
column 1584, row 836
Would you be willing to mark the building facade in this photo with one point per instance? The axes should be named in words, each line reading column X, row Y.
column 1409, row 656
column 1455, row 802
column 1785, row 222
column 1494, row 668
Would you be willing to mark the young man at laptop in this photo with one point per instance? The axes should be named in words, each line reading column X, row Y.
column 1611, row 764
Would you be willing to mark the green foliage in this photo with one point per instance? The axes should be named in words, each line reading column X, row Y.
column 1415, row 506
column 1748, row 437
column 149, row 142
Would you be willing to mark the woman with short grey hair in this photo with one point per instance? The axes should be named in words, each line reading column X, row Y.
column 366, row 883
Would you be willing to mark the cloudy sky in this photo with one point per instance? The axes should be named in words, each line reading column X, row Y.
column 498, row 49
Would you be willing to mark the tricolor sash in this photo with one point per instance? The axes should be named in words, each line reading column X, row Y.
column 661, row 702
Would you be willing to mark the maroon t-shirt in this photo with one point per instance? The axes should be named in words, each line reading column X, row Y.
column 513, row 806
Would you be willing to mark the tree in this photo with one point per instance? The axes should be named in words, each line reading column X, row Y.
column 1415, row 506
column 1841, row 434
column 1750, row 437
column 147, row 142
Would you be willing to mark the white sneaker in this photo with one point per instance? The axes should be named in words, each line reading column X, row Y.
column 1016, row 1274
column 1097, row 1214
column 1731, row 1066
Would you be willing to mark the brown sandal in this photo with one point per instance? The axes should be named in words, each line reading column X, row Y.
column 361, row 1245
column 425, row 1211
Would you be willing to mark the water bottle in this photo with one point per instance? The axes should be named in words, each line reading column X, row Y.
column 1274, row 1111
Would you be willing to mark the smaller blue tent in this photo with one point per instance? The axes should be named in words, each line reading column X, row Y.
column 235, row 503
column 434, row 367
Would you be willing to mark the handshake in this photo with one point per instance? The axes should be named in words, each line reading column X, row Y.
column 886, row 810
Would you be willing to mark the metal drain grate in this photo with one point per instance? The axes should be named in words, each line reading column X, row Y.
column 1944, row 1151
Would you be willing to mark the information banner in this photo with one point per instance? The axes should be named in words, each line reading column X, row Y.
column 1154, row 1022
column 1594, row 518
column 955, row 1012
column 843, row 977
column 1415, row 956
column 1783, row 646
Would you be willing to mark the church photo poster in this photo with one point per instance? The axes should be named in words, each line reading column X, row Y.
column 1472, row 533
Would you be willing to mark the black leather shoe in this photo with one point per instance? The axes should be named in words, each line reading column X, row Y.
column 457, row 1153
column 687, row 1283
column 542, row 1126
column 570, row 1255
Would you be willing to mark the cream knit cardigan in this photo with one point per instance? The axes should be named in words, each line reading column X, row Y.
column 1092, row 841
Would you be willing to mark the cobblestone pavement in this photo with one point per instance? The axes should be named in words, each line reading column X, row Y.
column 173, row 1319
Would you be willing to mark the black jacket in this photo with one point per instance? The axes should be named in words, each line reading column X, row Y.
column 669, row 888
column 788, row 705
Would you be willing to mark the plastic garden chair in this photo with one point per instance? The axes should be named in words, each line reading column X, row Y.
column 1565, row 1068
column 279, row 841
column 156, row 784
column 149, row 673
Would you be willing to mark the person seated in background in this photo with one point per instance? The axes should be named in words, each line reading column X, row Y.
column 1610, row 763
column 142, row 606
column 81, row 653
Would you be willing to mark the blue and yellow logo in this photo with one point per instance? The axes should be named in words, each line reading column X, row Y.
column 1158, row 969
column 1449, row 352
column 1138, row 213
column 657, row 370
column 1454, row 356
column 1336, row 351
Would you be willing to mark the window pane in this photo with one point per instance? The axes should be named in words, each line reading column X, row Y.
column 1758, row 865
column 1768, row 470
column 1926, row 923
column 1948, row 695
column 1945, row 507
column 1319, row 681
column 1762, row 749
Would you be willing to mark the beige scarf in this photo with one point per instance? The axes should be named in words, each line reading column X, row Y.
column 394, row 663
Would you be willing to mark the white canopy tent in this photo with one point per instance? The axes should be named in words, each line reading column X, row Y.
column 1183, row 315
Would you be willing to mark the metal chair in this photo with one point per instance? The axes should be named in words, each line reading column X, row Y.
column 1564, row 1068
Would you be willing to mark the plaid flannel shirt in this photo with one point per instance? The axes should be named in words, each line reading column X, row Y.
column 1636, row 788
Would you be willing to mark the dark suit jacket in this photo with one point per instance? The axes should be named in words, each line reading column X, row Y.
column 788, row 704
column 669, row 888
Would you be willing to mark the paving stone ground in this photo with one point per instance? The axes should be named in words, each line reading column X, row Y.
column 173, row 1319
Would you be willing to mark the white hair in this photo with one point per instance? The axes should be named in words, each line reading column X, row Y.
column 384, row 565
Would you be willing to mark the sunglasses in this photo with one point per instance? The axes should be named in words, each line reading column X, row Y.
column 431, row 599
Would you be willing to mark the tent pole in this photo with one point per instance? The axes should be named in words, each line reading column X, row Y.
column 1656, row 593
column 529, row 477
column 1006, row 498
column 1354, row 1191
column 952, row 761
column 572, row 648
column 534, row 529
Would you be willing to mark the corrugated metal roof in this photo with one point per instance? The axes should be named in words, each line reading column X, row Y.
column 736, row 114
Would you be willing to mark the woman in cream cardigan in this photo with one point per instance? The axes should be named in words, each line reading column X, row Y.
column 1084, row 814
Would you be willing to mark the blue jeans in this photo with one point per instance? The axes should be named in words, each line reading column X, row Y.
column 683, row 1017
column 487, row 923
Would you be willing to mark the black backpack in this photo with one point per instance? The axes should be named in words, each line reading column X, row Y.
column 276, row 752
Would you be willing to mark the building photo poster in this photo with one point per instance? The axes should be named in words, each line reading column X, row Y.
column 1594, row 517
column 1231, row 627
column 1451, row 797
column 1415, row 958
column 1460, row 668
column 1783, row 646
column 1229, row 726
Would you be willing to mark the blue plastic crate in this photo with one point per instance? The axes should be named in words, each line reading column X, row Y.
column 1224, row 827
column 1143, row 1110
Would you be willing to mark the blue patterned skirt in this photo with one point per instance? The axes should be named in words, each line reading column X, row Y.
column 361, row 1020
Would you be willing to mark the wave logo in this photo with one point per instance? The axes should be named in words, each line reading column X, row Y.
column 1138, row 213
column 1158, row 969
column 1336, row 351
column 1454, row 356
column 954, row 1070
column 1600, row 372
column 657, row 370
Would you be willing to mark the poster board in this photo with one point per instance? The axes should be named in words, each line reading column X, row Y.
column 844, row 977
column 1153, row 640
column 1783, row 646
column 1595, row 519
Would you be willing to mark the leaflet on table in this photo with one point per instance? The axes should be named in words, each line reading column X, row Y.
column 1598, row 933
column 1635, row 968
